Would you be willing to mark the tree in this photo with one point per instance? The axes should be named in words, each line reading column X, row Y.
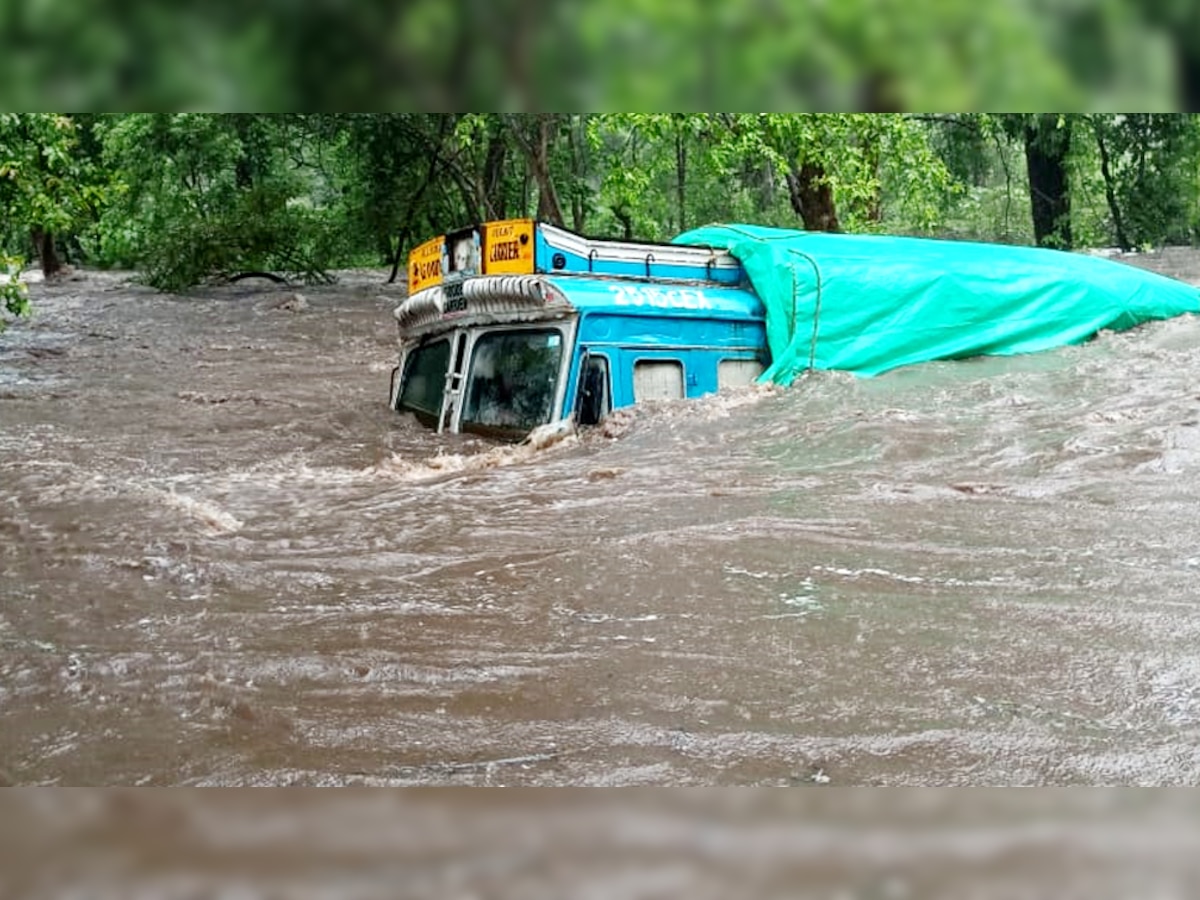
column 216, row 195
column 45, row 185
column 1148, row 162
column 537, row 135
column 839, row 167
column 392, row 164
column 189, row 196
column 1047, row 141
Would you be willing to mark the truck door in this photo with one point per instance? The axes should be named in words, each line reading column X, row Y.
column 593, row 389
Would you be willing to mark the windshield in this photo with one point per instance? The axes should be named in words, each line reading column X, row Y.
column 513, row 379
column 425, row 379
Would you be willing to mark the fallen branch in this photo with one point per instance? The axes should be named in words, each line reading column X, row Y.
column 270, row 276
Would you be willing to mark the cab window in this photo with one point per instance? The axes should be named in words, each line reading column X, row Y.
column 425, row 379
column 735, row 373
column 512, row 382
column 657, row 379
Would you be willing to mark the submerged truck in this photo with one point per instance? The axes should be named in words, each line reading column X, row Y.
column 513, row 325
column 517, row 324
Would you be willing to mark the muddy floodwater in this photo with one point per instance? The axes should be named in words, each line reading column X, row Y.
column 224, row 561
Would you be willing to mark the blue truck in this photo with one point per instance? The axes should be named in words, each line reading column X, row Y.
column 513, row 325
column 517, row 325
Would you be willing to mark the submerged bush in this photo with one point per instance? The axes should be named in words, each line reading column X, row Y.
column 258, row 234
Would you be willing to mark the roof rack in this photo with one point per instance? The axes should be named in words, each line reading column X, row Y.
column 527, row 247
column 570, row 253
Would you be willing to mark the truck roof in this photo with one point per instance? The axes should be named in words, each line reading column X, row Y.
column 515, row 298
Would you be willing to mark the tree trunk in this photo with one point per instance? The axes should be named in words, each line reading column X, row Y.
column 1109, row 190
column 43, row 241
column 874, row 160
column 410, row 210
column 577, row 144
column 681, row 177
column 399, row 254
column 549, row 209
column 1046, row 146
column 537, row 157
column 243, row 167
column 383, row 246
column 812, row 198
column 493, row 176
column 626, row 220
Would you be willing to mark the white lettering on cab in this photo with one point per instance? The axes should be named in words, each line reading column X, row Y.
column 659, row 298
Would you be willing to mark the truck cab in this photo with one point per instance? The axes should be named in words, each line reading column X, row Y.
column 513, row 325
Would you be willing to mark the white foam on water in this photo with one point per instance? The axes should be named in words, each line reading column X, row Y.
column 442, row 464
column 203, row 511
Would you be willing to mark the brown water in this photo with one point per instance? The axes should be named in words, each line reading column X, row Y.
column 644, row 844
column 223, row 560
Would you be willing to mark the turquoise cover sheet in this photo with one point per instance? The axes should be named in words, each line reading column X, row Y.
column 869, row 303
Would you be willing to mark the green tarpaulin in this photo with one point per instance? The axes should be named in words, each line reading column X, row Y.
column 869, row 303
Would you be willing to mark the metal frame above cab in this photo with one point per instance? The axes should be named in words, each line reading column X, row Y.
column 527, row 247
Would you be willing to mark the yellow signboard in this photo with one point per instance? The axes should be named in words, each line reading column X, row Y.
column 508, row 247
column 425, row 265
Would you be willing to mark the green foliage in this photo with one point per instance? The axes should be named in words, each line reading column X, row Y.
column 988, row 197
column 388, row 170
column 1151, row 171
column 212, row 196
column 631, row 198
column 1091, row 218
column 14, row 295
column 186, row 197
column 630, row 54
column 46, row 183
column 881, row 171
column 260, row 233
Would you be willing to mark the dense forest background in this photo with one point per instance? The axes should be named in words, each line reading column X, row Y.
column 185, row 197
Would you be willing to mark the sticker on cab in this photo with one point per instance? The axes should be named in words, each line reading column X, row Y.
column 508, row 247
column 425, row 265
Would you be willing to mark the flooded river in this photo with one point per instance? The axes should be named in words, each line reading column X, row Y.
column 224, row 561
